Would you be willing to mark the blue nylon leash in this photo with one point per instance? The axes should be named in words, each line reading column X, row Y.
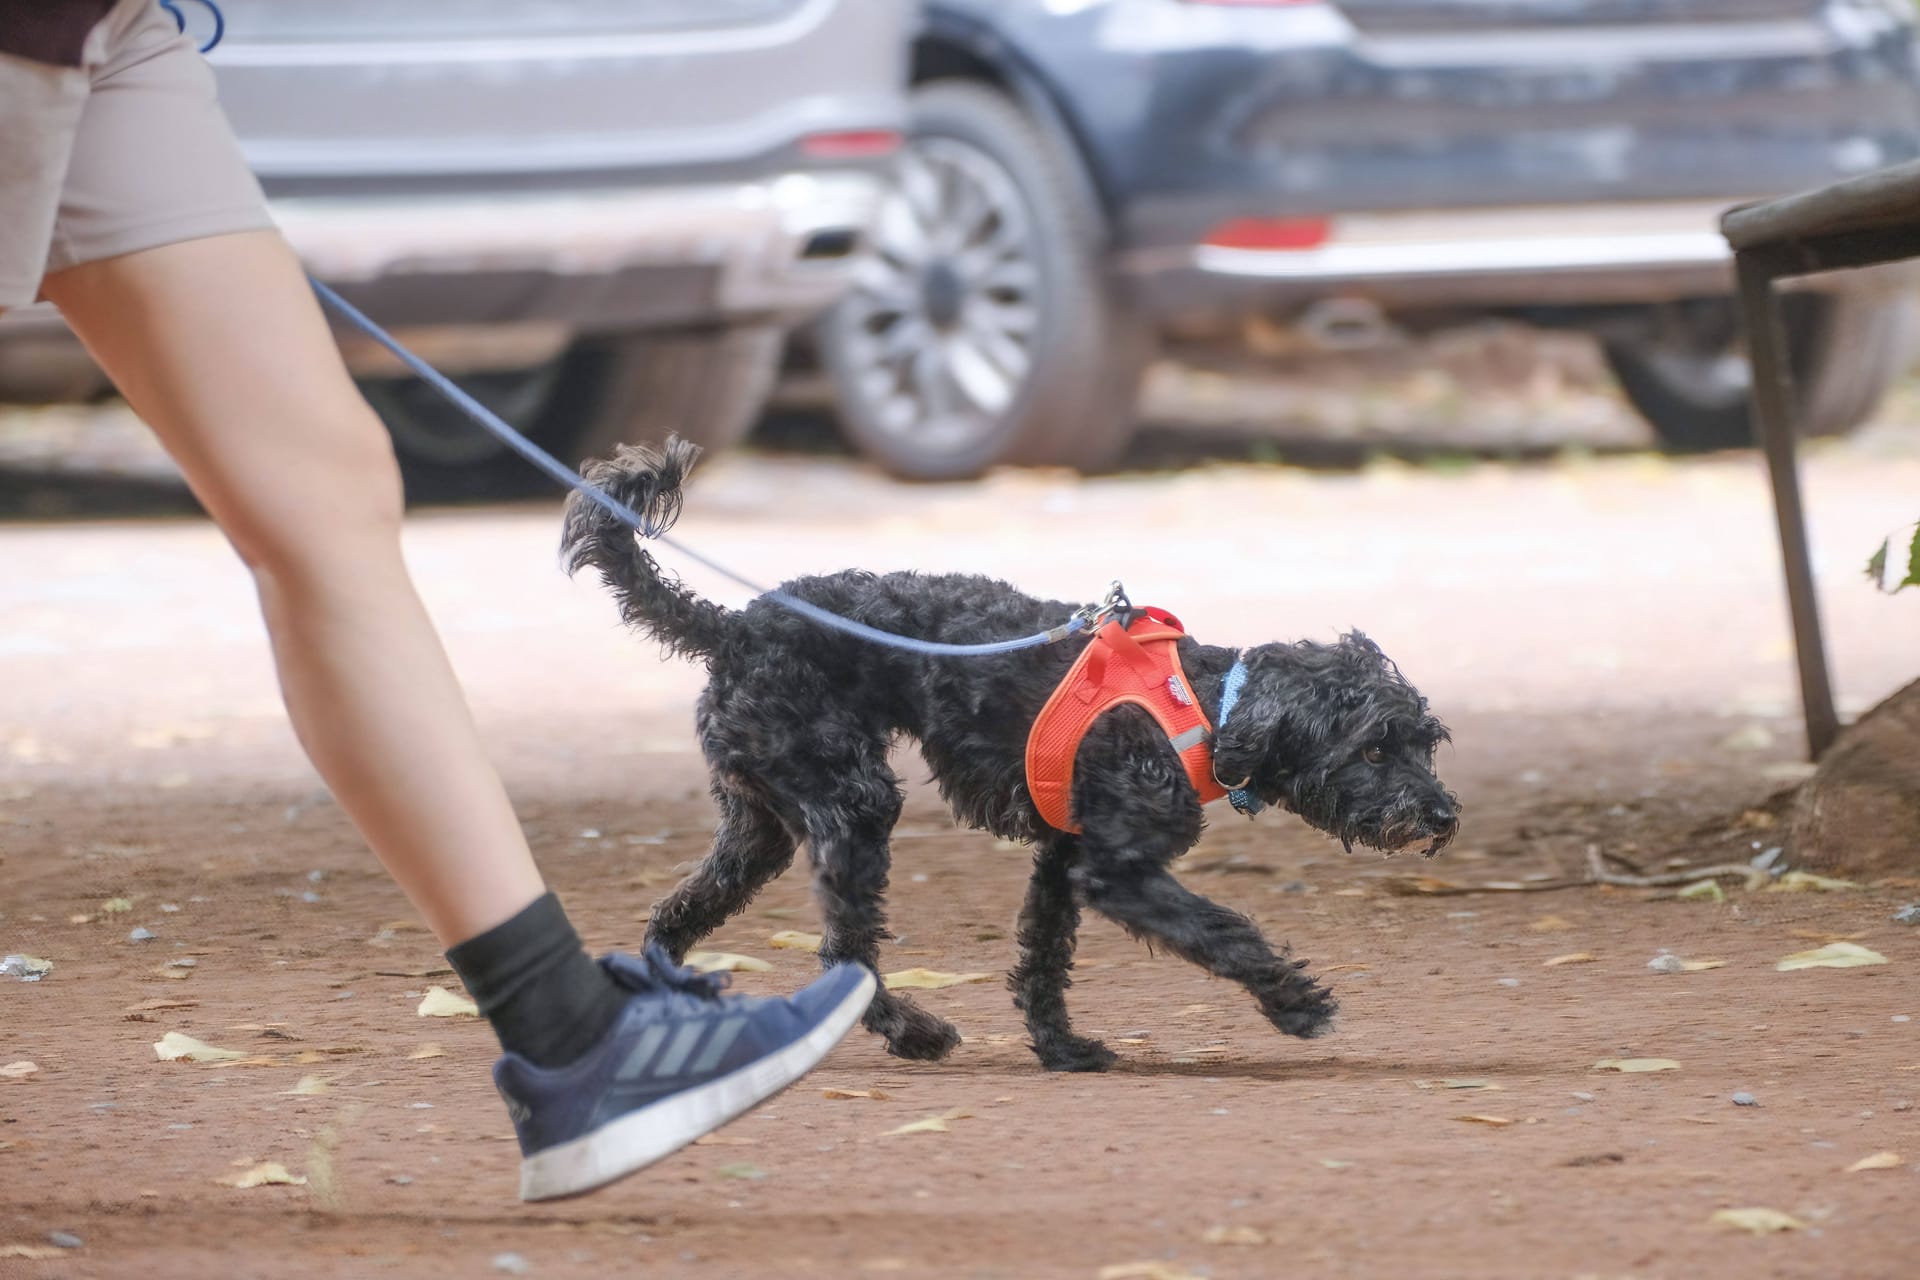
column 180, row 20
column 558, row 470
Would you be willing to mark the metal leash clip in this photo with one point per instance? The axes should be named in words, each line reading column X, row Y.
column 1091, row 617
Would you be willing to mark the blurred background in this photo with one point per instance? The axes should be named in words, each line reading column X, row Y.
column 947, row 236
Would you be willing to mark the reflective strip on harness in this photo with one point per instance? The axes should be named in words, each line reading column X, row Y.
column 1138, row 664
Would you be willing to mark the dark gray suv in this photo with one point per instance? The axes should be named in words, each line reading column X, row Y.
column 1089, row 181
column 602, row 215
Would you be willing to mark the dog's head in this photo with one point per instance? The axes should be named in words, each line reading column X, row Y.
column 1335, row 733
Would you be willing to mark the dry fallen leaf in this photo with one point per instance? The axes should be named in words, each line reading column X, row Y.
column 794, row 940
column 1575, row 957
column 875, row 1094
column 1336, row 1164
column 1145, row 1271
column 932, row 1124
column 1497, row 1122
column 1878, row 1160
column 1635, row 1065
column 117, row 906
column 1549, row 924
column 930, row 980
column 144, row 1011
column 725, row 962
column 18, row 1070
column 426, row 1051
column 1703, row 891
column 1807, row 882
column 1835, row 955
column 269, row 1174
column 442, row 1003
column 1233, row 1235
column 1698, row 966
column 31, row 1251
column 1758, row 1221
column 175, row 1045
column 724, row 1140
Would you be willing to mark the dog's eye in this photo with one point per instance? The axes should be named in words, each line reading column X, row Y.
column 1374, row 755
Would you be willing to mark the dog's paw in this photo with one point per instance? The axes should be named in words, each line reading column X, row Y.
column 1075, row 1053
column 922, row 1037
column 1307, row 1019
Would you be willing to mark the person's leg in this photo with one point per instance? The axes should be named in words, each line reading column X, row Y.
column 220, row 346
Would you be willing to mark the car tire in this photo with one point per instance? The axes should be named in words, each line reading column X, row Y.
column 984, row 329
column 1846, row 350
column 707, row 386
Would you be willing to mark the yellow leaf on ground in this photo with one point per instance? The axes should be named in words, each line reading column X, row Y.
column 1575, row 957
column 174, row 1045
column 794, row 940
column 875, row 1094
column 1697, row 966
column 270, row 1174
column 725, row 962
column 18, row 1070
column 1549, row 924
column 1807, row 882
column 1145, row 1271
column 1703, row 891
column 930, row 980
column 1635, row 1065
column 1878, row 1160
column 1758, row 1221
column 932, row 1124
column 426, row 1051
column 1835, row 955
column 1497, row 1122
column 117, row 906
column 1233, row 1235
column 442, row 1003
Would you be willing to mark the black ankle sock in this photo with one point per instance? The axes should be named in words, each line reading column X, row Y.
column 546, row 998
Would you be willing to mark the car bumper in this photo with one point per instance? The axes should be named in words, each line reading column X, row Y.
column 1630, row 253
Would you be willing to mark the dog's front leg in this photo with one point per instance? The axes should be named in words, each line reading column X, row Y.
column 1143, row 898
column 1039, row 982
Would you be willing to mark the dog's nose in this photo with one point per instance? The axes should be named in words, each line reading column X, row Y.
column 1441, row 815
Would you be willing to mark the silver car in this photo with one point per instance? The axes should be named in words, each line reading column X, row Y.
column 602, row 215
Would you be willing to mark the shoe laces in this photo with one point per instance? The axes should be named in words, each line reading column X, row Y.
column 653, row 972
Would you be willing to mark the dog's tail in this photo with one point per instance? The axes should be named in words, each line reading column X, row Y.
column 651, row 602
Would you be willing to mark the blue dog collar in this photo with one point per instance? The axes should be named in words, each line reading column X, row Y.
column 1239, row 797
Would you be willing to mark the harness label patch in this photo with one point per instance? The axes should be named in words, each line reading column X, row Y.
column 1178, row 691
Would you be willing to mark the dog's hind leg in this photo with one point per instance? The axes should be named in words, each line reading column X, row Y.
column 750, row 847
column 1143, row 898
column 848, row 823
column 1039, row 982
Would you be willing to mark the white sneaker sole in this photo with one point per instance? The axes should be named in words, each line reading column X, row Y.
column 640, row 1138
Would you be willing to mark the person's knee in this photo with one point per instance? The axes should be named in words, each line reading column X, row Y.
column 336, row 507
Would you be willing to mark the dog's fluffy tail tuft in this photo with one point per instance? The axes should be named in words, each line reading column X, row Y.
column 648, row 481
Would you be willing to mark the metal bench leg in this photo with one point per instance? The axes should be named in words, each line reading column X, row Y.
column 1773, row 411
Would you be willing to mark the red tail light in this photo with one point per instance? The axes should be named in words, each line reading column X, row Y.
column 1268, row 233
column 851, row 144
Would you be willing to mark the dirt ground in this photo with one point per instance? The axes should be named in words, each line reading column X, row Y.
column 1605, row 638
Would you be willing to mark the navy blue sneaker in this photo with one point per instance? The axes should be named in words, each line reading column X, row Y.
column 681, row 1061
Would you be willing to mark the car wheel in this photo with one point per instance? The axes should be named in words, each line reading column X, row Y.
column 706, row 386
column 983, row 328
column 445, row 456
column 1693, row 385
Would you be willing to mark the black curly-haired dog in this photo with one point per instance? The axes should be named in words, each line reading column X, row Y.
column 796, row 722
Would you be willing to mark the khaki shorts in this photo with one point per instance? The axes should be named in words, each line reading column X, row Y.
column 128, row 151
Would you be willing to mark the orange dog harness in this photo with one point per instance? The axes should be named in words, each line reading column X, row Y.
column 1140, row 664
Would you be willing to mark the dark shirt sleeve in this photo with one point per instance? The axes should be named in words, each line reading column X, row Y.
column 51, row 31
